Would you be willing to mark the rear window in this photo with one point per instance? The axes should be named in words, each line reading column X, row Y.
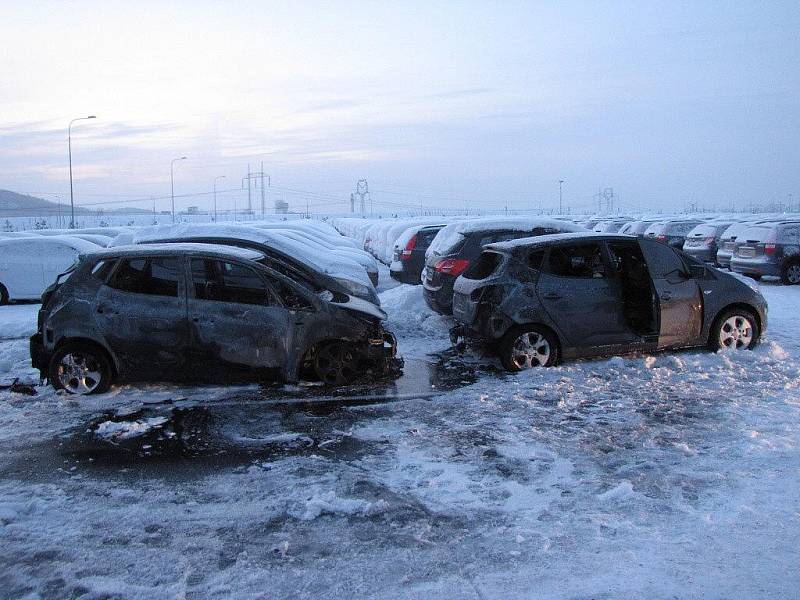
column 103, row 269
column 757, row 234
column 446, row 242
column 703, row 231
column 791, row 235
column 486, row 264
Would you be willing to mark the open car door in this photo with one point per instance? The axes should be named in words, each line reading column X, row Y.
column 679, row 296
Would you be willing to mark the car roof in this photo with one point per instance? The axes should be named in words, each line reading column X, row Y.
column 178, row 249
column 543, row 240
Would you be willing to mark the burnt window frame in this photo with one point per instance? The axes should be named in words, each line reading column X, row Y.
column 607, row 267
column 180, row 291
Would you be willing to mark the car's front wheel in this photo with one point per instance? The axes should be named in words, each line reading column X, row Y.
column 791, row 273
column 527, row 347
column 336, row 363
column 80, row 369
column 735, row 329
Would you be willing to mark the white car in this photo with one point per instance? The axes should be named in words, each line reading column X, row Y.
column 29, row 264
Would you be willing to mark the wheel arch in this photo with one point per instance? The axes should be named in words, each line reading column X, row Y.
column 740, row 306
column 545, row 326
column 95, row 344
column 4, row 289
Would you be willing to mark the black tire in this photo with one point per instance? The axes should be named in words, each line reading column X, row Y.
column 336, row 363
column 736, row 340
column 91, row 366
column 3, row 295
column 790, row 274
column 528, row 346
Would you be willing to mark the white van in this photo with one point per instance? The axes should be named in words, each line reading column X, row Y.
column 29, row 264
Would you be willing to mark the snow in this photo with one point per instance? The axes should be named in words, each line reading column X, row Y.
column 642, row 476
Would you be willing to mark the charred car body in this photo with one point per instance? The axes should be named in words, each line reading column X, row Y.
column 571, row 295
column 457, row 245
column 200, row 312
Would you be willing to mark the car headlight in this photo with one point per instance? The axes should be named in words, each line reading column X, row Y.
column 360, row 290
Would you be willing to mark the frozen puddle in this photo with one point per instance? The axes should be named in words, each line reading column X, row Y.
column 268, row 423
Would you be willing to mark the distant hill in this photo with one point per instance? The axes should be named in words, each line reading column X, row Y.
column 13, row 204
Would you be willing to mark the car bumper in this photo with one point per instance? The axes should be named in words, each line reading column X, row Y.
column 724, row 258
column 398, row 272
column 758, row 266
column 439, row 301
column 40, row 358
column 707, row 255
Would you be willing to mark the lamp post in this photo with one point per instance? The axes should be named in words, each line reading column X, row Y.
column 69, row 144
column 215, row 195
column 172, row 183
column 560, row 209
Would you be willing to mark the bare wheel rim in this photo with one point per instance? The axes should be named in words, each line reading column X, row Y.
column 79, row 373
column 336, row 364
column 793, row 274
column 531, row 349
column 736, row 333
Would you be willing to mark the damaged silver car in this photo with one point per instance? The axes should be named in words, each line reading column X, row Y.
column 201, row 313
column 543, row 299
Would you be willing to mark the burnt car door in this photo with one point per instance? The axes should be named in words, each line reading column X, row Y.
column 238, row 325
column 679, row 296
column 141, row 313
column 579, row 293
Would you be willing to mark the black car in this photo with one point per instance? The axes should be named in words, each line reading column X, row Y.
column 457, row 245
column 565, row 296
column 408, row 258
column 199, row 312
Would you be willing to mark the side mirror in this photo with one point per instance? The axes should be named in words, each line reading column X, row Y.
column 698, row 271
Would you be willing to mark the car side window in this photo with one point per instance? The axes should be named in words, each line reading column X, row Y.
column 148, row 276
column 662, row 260
column 103, row 269
column 535, row 260
column 223, row 281
column 584, row 261
column 291, row 298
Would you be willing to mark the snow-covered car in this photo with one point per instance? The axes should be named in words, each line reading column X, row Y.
column 570, row 295
column 293, row 257
column 408, row 258
column 199, row 312
column 29, row 264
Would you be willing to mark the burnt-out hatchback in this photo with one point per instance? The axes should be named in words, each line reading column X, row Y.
column 572, row 295
column 199, row 313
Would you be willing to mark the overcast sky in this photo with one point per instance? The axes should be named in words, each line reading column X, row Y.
column 445, row 104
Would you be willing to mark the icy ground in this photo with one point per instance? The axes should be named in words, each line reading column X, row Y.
column 664, row 476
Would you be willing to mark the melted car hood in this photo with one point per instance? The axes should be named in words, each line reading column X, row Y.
column 362, row 306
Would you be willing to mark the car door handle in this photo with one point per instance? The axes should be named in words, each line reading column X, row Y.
column 552, row 296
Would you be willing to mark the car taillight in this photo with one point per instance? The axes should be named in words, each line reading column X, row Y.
column 709, row 240
column 451, row 266
column 769, row 248
column 661, row 238
column 409, row 248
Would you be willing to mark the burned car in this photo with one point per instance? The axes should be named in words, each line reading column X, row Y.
column 200, row 313
column 571, row 295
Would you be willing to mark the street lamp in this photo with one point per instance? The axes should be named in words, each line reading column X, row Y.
column 172, row 183
column 215, row 195
column 69, row 144
column 560, row 209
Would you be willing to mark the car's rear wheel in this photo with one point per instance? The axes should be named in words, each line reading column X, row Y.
column 527, row 347
column 80, row 369
column 336, row 363
column 791, row 273
column 3, row 295
column 735, row 329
